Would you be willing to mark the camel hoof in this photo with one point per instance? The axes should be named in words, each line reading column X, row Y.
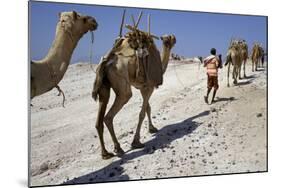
column 136, row 145
column 152, row 129
column 107, row 155
column 228, row 85
column 119, row 151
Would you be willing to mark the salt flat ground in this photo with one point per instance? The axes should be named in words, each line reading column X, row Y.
column 194, row 138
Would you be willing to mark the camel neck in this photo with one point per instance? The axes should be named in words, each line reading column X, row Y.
column 165, row 58
column 60, row 53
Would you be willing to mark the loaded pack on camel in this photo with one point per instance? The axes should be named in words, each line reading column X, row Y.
column 135, row 43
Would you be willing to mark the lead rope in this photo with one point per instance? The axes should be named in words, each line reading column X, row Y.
column 53, row 79
column 177, row 76
column 91, row 51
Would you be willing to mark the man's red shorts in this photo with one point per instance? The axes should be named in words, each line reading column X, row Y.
column 213, row 82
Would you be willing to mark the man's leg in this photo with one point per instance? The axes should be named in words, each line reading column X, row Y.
column 216, row 86
column 209, row 89
column 214, row 95
column 207, row 96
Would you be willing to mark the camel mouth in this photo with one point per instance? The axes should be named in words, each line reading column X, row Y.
column 94, row 24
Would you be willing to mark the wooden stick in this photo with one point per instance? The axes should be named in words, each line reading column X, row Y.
column 122, row 23
column 134, row 23
column 138, row 21
column 133, row 29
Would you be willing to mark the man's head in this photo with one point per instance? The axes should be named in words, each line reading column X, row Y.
column 213, row 51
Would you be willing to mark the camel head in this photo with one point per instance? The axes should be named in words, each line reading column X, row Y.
column 76, row 24
column 256, row 46
column 168, row 40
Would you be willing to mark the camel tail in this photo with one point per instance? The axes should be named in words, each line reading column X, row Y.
column 98, row 81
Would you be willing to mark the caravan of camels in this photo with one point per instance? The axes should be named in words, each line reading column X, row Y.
column 146, row 101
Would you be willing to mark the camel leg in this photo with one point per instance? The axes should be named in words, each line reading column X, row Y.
column 146, row 93
column 244, row 68
column 104, row 94
column 234, row 74
column 151, row 127
column 239, row 72
column 256, row 62
column 228, row 72
column 119, row 102
column 121, row 99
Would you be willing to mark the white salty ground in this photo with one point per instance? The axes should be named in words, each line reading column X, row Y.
column 229, row 136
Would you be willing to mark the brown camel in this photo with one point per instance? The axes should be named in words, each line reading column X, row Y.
column 48, row 72
column 120, row 73
column 262, row 54
column 234, row 58
column 256, row 56
column 244, row 55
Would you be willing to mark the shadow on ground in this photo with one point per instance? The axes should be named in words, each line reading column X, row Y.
column 223, row 99
column 248, row 81
column 261, row 69
column 161, row 140
column 249, row 77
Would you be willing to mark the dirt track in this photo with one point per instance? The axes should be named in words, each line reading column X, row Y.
column 193, row 139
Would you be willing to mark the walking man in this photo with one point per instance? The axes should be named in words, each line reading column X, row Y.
column 212, row 63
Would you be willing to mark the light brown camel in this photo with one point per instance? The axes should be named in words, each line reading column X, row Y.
column 48, row 72
column 256, row 56
column 262, row 54
column 244, row 56
column 120, row 74
column 234, row 58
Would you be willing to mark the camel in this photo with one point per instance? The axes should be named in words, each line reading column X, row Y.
column 262, row 54
column 244, row 55
column 120, row 73
column 256, row 56
column 234, row 58
column 49, row 71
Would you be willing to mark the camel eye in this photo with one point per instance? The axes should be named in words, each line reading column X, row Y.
column 84, row 20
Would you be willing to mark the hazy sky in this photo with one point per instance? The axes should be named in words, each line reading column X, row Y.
column 196, row 32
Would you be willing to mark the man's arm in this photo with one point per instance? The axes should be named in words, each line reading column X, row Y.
column 220, row 62
column 204, row 64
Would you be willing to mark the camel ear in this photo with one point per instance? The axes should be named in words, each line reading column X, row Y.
column 174, row 38
column 74, row 14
